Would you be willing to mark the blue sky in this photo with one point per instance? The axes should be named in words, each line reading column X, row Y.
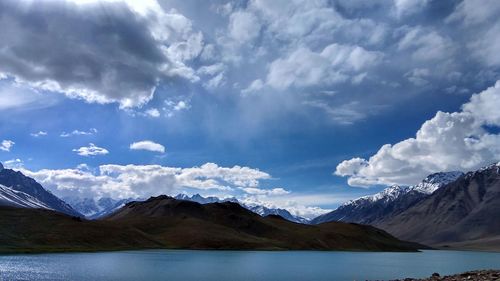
column 296, row 104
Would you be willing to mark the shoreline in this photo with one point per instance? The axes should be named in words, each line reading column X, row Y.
column 475, row 275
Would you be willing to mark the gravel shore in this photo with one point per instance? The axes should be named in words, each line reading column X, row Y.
column 479, row 275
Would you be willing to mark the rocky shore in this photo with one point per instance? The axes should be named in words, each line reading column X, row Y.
column 478, row 275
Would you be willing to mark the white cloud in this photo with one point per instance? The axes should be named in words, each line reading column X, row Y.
column 6, row 145
column 425, row 44
column 485, row 47
column 244, row 26
column 174, row 106
column 147, row 145
column 39, row 134
column 472, row 12
column 91, row 150
column 14, row 163
column 255, row 86
column 153, row 112
column 120, row 181
column 90, row 132
column 448, row 141
column 259, row 191
column 336, row 63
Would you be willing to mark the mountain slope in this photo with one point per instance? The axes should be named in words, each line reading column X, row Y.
column 186, row 224
column 40, row 230
column 387, row 203
column 460, row 212
column 14, row 198
column 19, row 182
column 258, row 209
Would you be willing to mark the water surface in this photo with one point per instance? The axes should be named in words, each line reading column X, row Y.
column 174, row 265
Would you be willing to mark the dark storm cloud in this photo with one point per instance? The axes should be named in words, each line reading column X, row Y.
column 100, row 52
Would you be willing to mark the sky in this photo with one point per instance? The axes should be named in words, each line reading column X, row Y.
column 298, row 104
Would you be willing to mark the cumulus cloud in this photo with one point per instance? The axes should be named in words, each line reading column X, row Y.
column 449, row 141
column 98, row 51
column 147, row 145
column 91, row 150
column 120, row 181
column 335, row 63
column 90, row 132
column 6, row 145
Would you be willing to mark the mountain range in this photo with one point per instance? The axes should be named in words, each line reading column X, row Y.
column 165, row 222
column 391, row 201
column 445, row 210
column 19, row 190
column 448, row 209
column 96, row 208
column 258, row 209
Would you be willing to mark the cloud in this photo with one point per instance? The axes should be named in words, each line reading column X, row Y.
column 335, row 63
column 174, row 106
column 244, row 26
column 91, row 150
column 258, row 191
column 119, row 181
column 147, row 145
column 408, row 7
column 153, row 112
column 97, row 51
column 90, row 132
column 6, row 145
column 449, row 141
column 470, row 12
column 426, row 44
column 14, row 163
column 39, row 134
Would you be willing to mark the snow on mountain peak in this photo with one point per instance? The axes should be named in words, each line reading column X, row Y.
column 430, row 184
column 434, row 181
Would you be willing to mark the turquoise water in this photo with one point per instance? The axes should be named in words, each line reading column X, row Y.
column 239, row 265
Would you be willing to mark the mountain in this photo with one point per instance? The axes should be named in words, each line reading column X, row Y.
column 464, row 213
column 95, row 208
column 17, row 182
column 258, row 209
column 14, row 198
column 41, row 230
column 164, row 222
column 389, row 202
column 186, row 224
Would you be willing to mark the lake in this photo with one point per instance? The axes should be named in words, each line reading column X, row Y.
column 186, row 265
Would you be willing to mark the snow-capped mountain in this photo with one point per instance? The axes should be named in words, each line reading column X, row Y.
column 205, row 200
column 258, row 209
column 392, row 200
column 14, row 198
column 96, row 208
column 463, row 212
column 28, row 193
column 432, row 182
